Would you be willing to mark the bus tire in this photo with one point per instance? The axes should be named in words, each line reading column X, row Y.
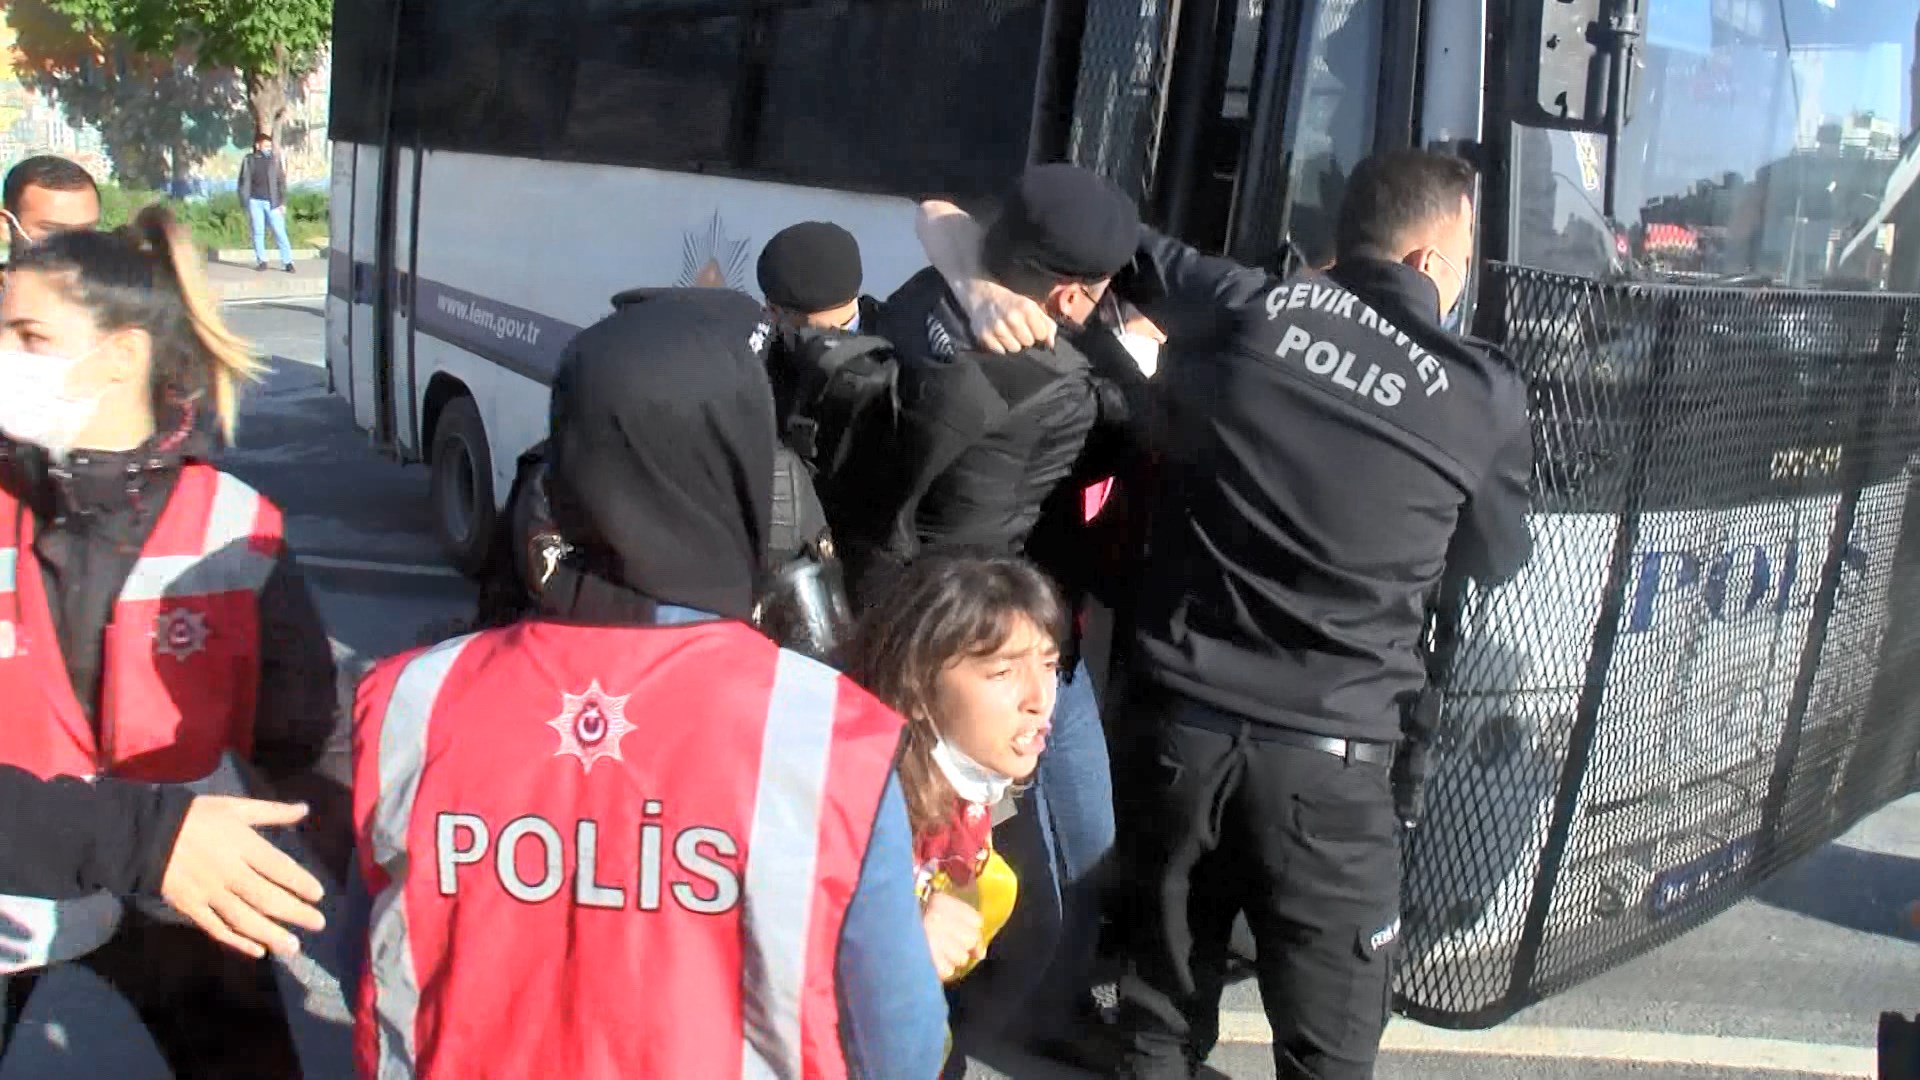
column 462, row 486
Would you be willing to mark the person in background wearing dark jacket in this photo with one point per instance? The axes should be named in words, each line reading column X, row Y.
column 1331, row 453
column 153, row 614
column 263, row 187
column 1016, row 432
column 68, row 837
column 810, row 275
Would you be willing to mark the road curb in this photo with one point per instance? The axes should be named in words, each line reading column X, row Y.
column 240, row 292
column 243, row 257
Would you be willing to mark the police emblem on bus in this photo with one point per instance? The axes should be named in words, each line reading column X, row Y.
column 179, row 633
column 710, row 259
column 591, row 725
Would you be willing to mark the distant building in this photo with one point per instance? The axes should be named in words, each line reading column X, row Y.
column 1861, row 135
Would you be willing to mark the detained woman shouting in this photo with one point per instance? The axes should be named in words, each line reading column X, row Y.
column 152, row 619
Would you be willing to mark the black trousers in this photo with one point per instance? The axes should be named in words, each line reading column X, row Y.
column 1305, row 844
column 212, row 1013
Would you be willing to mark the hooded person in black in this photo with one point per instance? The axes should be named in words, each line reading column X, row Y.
column 798, row 598
column 660, row 481
column 662, row 461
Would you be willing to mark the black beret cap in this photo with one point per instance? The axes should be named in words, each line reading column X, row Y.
column 810, row 267
column 1061, row 222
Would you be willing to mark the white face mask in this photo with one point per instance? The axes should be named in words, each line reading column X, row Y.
column 973, row 781
column 1144, row 350
column 1450, row 319
column 36, row 405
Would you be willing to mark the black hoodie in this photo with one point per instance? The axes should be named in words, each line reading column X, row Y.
column 662, row 453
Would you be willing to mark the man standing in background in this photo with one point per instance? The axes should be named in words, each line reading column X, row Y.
column 263, row 187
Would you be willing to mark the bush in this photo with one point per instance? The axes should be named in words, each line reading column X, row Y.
column 220, row 221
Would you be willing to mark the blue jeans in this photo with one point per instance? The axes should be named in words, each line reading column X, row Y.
column 1042, row 962
column 264, row 212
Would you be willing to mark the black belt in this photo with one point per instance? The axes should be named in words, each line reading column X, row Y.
column 1348, row 750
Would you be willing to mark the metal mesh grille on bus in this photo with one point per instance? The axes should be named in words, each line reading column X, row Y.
column 1117, row 105
column 1711, row 666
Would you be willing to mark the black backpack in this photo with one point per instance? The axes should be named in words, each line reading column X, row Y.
column 833, row 393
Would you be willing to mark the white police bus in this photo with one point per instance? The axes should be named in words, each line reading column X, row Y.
column 1624, row 732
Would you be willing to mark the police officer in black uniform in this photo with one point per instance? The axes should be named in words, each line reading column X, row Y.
column 1328, row 457
column 810, row 275
column 1330, row 452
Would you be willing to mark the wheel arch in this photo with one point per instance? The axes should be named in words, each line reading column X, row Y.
column 441, row 389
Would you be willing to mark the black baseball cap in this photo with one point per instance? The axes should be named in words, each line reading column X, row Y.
column 810, row 267
column 1061, row 222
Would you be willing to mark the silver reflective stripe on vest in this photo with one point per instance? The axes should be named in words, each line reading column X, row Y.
column 35, row 932
column 227, row 561
column 777, row 901
column 235, row 508
column 782, row 846
column 403, row 751
column 9, row 560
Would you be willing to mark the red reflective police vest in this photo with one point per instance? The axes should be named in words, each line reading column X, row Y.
column 610, row 852
column 180, row 667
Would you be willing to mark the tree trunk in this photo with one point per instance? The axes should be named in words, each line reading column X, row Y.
column 267, row 99
column 182, row 169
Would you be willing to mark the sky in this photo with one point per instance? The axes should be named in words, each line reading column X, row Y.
column 1852, row 55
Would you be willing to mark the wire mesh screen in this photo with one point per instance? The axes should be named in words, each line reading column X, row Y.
column 1708, row 668
column 1122, row 83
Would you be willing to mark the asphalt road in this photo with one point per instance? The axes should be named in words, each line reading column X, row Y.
column 359, row 522
column 1788, row 984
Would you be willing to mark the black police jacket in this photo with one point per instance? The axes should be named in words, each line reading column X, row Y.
column 992, row 444
column 1329, row 451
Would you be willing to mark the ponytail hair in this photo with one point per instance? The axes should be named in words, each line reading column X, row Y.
column 147, row 276
column 226, row 357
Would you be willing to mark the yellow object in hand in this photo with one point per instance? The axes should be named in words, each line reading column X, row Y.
column 992, row 893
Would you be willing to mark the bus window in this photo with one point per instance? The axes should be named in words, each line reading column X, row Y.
column 490, row 76
column 1223, row 141
column 1766, row 148
column 1118, row 99
column 1333, row 108
column 914, row 98
column 362, row 47
column 1329, row 103
column 682, row 65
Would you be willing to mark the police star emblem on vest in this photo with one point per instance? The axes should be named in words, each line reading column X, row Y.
column 591, row 725
column 179, row 633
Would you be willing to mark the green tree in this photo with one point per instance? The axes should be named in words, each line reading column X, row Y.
column 270, row 43
column 157, row 115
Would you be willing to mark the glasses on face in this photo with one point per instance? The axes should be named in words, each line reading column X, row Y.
column 1092, row 298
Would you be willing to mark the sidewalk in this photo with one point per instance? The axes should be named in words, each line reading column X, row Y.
column 242, row 282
